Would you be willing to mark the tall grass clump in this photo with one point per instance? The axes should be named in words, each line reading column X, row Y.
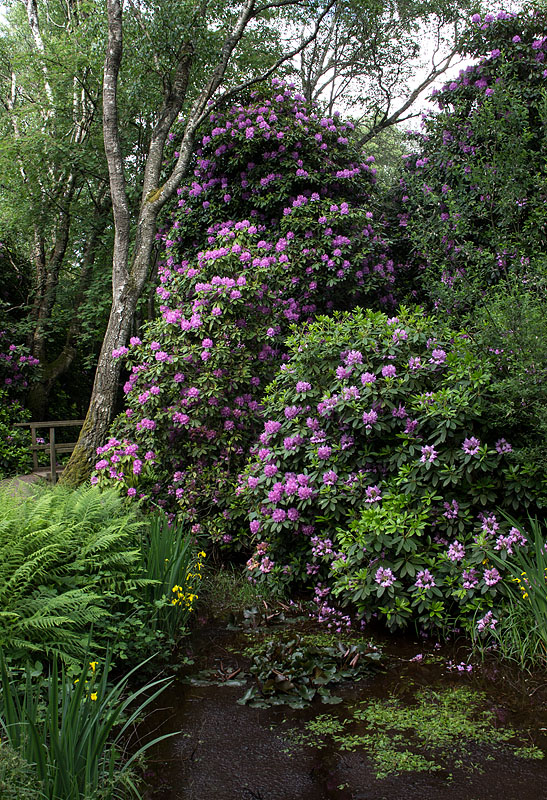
column 521, row 632
column 173, row 572
column 72, row 733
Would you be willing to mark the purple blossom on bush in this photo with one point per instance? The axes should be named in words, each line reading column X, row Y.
column 491, row 576
column 414, row 363
column 429, row 454
column 471, row 446
column 389, row 371
column 372, row 494
column 424, row 580
column 146, row 424
column 456, row 551
column 438, row 356
column 370, row 417
column 353, row 357
column 488, row 621
column 503, row 446
column 324, row 452
column 470, row 578
column 451, row 509
column 384, row 577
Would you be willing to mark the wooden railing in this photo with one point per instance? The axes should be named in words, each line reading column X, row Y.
column 52, row 445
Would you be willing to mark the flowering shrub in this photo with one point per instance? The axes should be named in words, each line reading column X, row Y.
column 377, row 473
column 471, row 201
column 16, row 367
column 306, row 240
column 471, row 209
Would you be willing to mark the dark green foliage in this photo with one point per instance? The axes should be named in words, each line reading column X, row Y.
column 15, row 458
column 472, row 215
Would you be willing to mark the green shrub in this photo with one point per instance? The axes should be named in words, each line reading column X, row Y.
column 18, row 780
column 280, row 222
column 15, row 458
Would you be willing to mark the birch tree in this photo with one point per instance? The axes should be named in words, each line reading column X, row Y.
column 133, row 243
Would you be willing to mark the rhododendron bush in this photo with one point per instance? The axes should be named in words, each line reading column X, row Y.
column 16, row 371
column 360, row 453
column 472, row 199
column 471, row 207
column 376, row 477
column 280, row 224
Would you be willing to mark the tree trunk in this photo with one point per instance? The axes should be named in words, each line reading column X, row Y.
column 105, row 389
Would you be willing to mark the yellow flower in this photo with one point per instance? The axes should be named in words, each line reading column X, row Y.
column 93, row 696
column 93, row 665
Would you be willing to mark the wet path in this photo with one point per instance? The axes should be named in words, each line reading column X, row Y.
column 228, row 751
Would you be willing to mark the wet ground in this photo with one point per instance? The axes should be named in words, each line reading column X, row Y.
column 226, row 751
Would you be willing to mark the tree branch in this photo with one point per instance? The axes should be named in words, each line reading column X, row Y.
column 112, row 143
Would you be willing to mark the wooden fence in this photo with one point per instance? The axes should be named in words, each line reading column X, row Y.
column 52, row 446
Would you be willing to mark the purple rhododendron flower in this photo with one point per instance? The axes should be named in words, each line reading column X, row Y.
column 324, row 452
column 389, row 371
column 491, row 576
column 471, row 446
column 424, row 580
column 470, row 578
column 488, row 621
column 429, row 454
column 452, row 509
column 353, row 357
column 503, row 446
column 456, row 551
column 372, row 494
column 330, row 477
column 438, row 357
column 384, row 576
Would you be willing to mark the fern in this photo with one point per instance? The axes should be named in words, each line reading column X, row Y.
column 65, row 556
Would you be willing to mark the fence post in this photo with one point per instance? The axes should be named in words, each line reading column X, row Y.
column 34, row 452
column 52, row 457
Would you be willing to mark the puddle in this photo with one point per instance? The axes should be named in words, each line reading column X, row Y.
column 228, row 751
